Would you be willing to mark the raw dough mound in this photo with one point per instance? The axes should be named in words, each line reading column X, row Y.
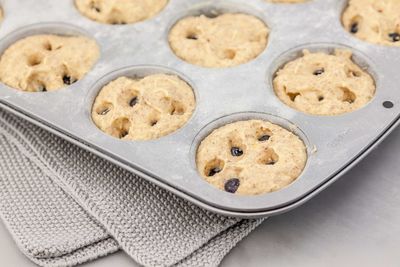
column 374, row 21
column 323, row 84
column 223, row 41
column 47, row 62
column 120, row 12
column 143, row 109
column 251, row 157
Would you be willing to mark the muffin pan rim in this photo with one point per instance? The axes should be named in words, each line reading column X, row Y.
column 215, row 200
column 226, row 212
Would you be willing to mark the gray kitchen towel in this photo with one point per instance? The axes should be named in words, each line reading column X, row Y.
column 65, row 206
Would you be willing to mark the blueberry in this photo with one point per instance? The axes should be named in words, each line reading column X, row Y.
column 68, row 80
column 354, row 28
column 264, row 138
column 319, row 72
column 133, row 101
column 395, row 36
column 236, row 151
column 214, row 171
column 232, row 185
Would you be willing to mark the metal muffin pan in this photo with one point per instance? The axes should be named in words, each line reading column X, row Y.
column 334, row 143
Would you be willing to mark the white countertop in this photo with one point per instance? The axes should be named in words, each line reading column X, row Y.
column 355, row 222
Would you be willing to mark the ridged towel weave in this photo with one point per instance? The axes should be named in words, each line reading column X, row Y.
column 65, row 206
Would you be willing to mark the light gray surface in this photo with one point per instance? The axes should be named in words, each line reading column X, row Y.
column 346, row 136
column 356, row 222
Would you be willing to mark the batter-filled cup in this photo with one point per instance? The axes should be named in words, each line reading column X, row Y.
column 227, row 40
column 118, row 11
column 143, row 108
column 251, row 157
column 41, row 63
column 374, row 21
column 320, row 83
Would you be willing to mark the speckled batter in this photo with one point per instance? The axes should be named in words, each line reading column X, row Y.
column 251, row 157
column 47, row 62
column 324, row 84
column 143, row 109
column 375, row 21
column 120, row 12
column 224, row 41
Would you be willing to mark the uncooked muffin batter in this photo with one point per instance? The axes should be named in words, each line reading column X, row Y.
column 120, row 12
column 47, row 62
column 223, row 41
column 375, row 21
column 251, row 157
column 324, row 84
column 143, row 109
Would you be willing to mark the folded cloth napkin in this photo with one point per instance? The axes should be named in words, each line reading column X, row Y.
column 65, row 206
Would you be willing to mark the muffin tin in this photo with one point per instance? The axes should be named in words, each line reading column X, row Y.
column 334, row 143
